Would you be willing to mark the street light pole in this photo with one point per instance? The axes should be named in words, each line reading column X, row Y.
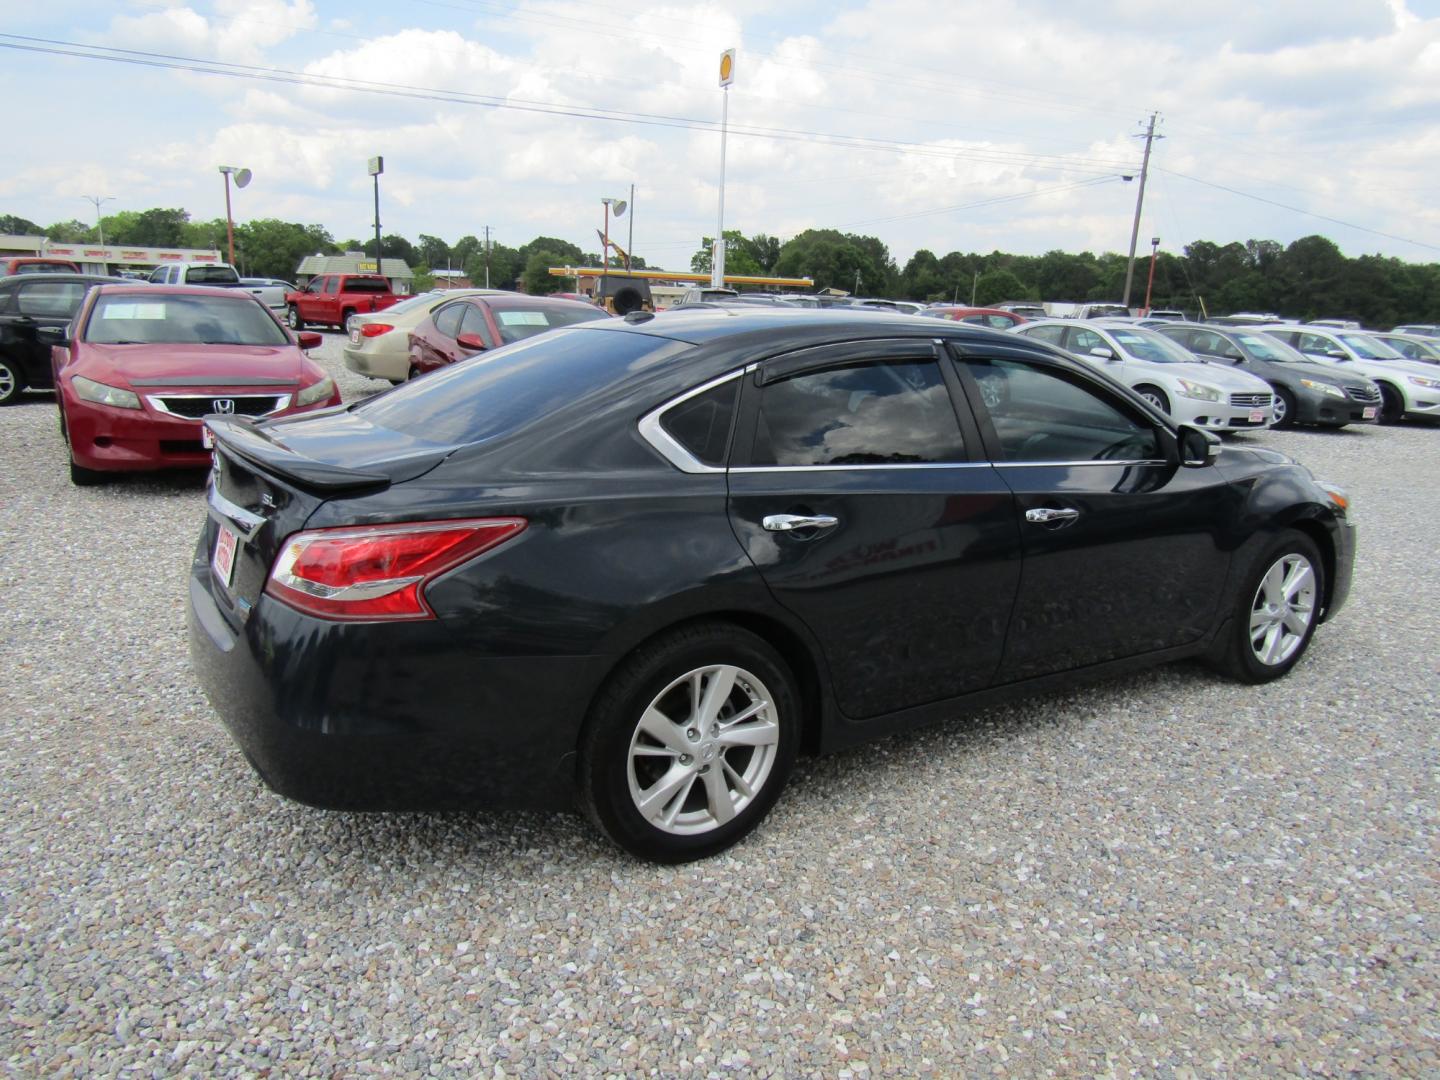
column 242, row 177
column 376, row 166
column 717, row 258
column 99, row 223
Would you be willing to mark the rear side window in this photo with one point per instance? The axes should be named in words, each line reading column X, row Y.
column 497, row 392
column 367, row 285
column 447, row 319
column 874, row 413
column 701, row 424
column 1052, row 334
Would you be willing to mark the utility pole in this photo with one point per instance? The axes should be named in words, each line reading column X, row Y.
column 487, row 256
column 100, row 223
column 1139, row 203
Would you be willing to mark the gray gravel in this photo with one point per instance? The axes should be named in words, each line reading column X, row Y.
column 1165, row 875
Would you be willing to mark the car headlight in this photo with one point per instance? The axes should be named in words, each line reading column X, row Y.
column 315, row 392
column 1328, row 389
column 101, row 394
column 1199, row 391
column 1421, row 380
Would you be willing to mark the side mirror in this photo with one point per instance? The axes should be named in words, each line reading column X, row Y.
column 473, row 342
column 309, row 339
column 1103, row 353
column 1197, row 448
column 53, row 335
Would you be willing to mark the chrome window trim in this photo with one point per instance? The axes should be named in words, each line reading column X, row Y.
column 157, row 402
column 852, row 468
column 1072, row 464
column 654, row 433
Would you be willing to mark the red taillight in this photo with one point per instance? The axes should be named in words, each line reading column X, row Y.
column 378, row 572
column 374, row 329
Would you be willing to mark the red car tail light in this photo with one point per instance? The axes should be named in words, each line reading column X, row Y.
column 374, row 329
column 376, row 573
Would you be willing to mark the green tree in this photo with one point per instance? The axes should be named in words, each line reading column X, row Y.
column 506, row 266
column 994, row 286
column 433, row 252
column 72, row 232
column 151, row 228
column 11, row 225
column 739, row 255
column 396, row 247
column 922, row 279
column 536, row 279
column 274, row 248
column 423, row 281
column 859, row 264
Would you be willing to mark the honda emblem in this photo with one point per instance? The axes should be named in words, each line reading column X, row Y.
column 223, row 405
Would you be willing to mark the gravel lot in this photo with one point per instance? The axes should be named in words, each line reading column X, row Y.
column 1165, row 875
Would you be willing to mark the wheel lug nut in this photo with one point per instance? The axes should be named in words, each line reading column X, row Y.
column 685, row 759
column 692, row 734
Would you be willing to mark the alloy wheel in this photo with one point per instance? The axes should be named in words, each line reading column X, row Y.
column 1283, row 608
column 703, row 749
column 9, row 384
column 1280, row 410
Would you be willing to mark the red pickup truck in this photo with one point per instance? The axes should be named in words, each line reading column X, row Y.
column 332, row 298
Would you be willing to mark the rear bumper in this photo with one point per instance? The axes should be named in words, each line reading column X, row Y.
column 375, row 364
column 391, row 716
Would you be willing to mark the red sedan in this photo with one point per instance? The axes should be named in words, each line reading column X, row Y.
column 996, row 318
column 146, row 363
column 471, row 324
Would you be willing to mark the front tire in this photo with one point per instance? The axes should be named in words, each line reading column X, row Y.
column 1155, row 396
column 1392, row 404
column 11, row 382
column 690, row 743
column 293, row 319
column 1284, row 408
column 1275, row 615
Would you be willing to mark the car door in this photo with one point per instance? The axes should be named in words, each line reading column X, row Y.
column 314, row 304
column 1125, row 552
column 437, row 344
column 36, row 304
column 857, row 492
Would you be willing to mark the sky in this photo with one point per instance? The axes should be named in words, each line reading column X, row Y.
column 971, row 126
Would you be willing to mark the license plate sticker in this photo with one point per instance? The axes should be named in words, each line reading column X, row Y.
column 207, row 440
column 223, row 561
column 1257, row 416
column 1371, row 411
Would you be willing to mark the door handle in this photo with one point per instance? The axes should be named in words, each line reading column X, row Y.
column 791, row 522
column 1046, row 515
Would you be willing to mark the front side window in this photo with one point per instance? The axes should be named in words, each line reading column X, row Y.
column 879, row 412
column 1042, row 414
column 447, row 319
column 472, row 321
column 1148, row 345
column 1267, row 348
column 51, row 299
column 1082, row 341
column 1314, row 343
column 1369, row 348
column 1211, row 344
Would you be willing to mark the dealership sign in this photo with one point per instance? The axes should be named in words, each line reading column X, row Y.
column 131, row 256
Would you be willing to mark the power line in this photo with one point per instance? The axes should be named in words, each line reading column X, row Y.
column 1298, row 210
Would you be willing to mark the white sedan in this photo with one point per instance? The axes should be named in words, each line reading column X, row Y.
column 1212, row 396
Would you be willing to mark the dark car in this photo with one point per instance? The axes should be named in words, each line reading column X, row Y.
column 646, row 562
column 474, row 323
column 29, row 303
column 1305, row 392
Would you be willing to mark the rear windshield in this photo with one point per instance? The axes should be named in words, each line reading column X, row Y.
column 418, row 300
column 519, row 322
column 181, row 320
column 494, row 393
column 211, row 275
column 366, row 284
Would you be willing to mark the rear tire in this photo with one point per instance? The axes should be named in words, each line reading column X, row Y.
column 345, row 317
column 11, row 382
column 689, row 744
column 1155, row 396
column 1275, row 614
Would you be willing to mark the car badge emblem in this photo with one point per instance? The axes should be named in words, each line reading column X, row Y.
column 223, row 405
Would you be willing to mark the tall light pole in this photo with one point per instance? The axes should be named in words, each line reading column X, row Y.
column 242, row 177
column 376, row 166
column 97, row 200
column 1139, row 204
column 1150, row 284
column 717, row 258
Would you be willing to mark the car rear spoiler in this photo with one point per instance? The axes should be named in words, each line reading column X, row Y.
column 240, row 435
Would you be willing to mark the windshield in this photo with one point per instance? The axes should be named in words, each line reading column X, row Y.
column 494, row 393
column 158, row 319
column 1147, row 345
column 1369, row 348
column 1268, row 348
